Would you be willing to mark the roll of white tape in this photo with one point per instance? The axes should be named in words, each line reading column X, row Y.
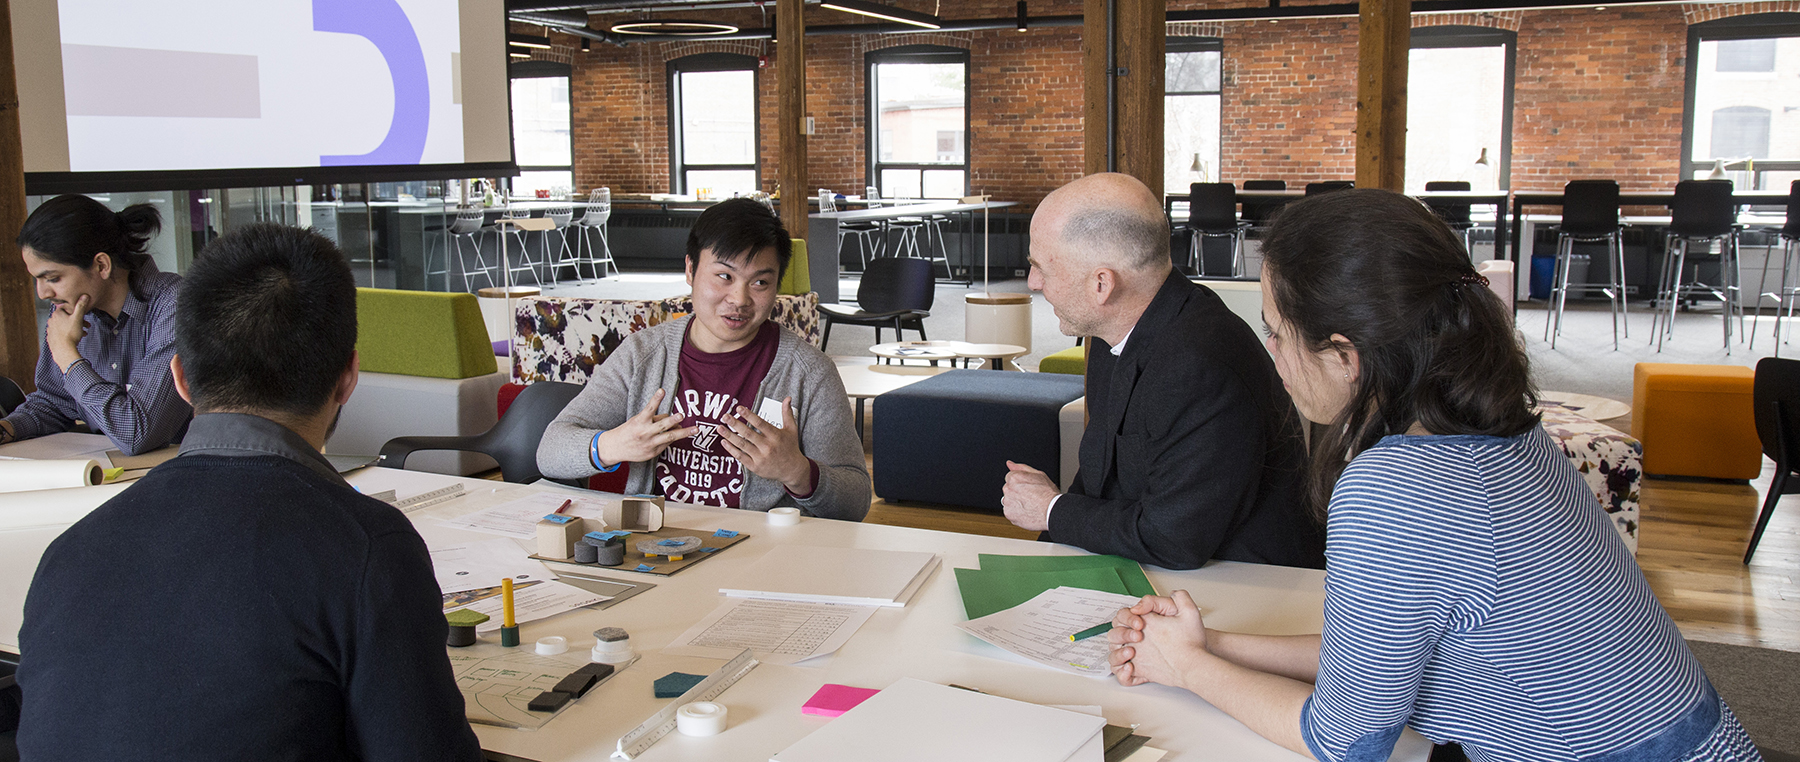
column 553, row 645
column 701, row 718
column 784, row 517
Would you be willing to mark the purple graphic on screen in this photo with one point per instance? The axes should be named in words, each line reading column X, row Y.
column 383, row 22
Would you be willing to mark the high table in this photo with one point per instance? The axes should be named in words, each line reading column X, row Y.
column 918, row 641
column 822, row 235
column 1496, row 199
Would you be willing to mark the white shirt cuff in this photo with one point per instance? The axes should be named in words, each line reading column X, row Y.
column 1050, row 507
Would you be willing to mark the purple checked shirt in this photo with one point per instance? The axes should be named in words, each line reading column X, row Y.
column 121, row 386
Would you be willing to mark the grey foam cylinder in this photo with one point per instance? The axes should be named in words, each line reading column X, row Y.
column 611, row 554
column 585, row 553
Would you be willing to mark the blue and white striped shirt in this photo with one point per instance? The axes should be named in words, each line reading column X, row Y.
column 122, row 387
column 1476, row 592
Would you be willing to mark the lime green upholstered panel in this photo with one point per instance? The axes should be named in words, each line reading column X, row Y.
column 422, row 333
column 797, row 281
column 1070, row 361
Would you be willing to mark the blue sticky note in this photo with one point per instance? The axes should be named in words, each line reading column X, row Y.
column 597, row 537
column 725, row 533
column 709, row 550
column 560, row 518
column 644, row 568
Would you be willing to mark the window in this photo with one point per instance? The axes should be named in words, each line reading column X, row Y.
column 542, row 141
column 1459, row 106
column 712, row 125
column 1743, row 107
column 1191, row 112
column 919, row 104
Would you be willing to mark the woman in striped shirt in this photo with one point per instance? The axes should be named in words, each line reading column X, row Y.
column 1475, row 590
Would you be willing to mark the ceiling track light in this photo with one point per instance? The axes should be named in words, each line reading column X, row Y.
column 674, row 28
column 885, row 13
column 517, row 40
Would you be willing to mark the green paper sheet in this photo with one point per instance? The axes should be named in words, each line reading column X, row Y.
column 986, row 591
column 1129, row 571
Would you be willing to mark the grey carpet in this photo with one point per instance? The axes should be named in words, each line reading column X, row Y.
column 1762, row 686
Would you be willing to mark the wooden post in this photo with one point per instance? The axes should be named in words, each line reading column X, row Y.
column 1384, row 41
column 790, row 75
column 1136, row 105
column 18, row 298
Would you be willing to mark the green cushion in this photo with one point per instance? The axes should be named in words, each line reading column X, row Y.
column 1070, row 361
column 422, row 333
column 797, row 281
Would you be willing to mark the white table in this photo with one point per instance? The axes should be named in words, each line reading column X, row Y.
column 916, row 641
column 864, row 379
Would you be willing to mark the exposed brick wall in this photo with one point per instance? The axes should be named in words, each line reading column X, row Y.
column 1289, row 101
column 1698, row 12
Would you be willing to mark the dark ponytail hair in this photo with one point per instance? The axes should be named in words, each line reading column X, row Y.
column 70, row 229
column 1435, row 345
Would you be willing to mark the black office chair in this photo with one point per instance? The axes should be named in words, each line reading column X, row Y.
column 1785, row 294
column 1454, row 213
column 11, row 396
column 1327, row 186
column 1590, row 214
column 1212, row 213
column 1776, row 401
column 1702, row 214
column 894, row 292
column 513, row 441
column 1258, row 213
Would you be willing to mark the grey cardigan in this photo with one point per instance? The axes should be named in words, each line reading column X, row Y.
column 651, row 359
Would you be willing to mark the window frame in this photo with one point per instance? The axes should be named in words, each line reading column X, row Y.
column 1750, row 26
column 1462, row 36
column 705, row 62
column 542, row 70
column 1201, row 44
column 935, row 54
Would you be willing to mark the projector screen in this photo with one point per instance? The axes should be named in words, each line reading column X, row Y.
column 180, row 94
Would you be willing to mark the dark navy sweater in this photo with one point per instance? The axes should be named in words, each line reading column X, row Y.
column 239, row 607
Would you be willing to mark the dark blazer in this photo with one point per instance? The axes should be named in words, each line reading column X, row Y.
column 1193, row 449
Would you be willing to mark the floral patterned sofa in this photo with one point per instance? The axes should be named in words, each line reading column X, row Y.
column 563, row 339
column 1611, row 461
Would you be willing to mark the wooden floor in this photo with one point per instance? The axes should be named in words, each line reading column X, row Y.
column 1690, row 545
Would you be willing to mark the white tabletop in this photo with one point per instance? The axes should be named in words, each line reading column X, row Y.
column 864, row 378
column 918, row 641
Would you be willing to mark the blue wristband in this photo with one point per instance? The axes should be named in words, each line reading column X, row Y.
column 594, row 454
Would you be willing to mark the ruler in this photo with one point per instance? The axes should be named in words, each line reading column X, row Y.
column 433, row 497
column 644, row 736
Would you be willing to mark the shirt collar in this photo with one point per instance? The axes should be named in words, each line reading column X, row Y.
column 241, row 435
column 1120, row 347
column 135, row 307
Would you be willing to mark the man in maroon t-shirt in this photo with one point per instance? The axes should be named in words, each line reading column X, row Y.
column 713, row 386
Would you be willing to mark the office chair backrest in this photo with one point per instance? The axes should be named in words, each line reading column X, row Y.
column 1792, row 228
column 513, row 441
column 560, row 215
column 1702, row 209
column 1257, row 212
column 11, row 396
column 1775, row 398
column 1265, row 185
column 1452, row 212
column 1327, row 186
column 891, row 284
column 1212, row 207
column 1590, row 207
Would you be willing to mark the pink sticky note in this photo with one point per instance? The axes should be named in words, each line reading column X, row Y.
column 833, row 700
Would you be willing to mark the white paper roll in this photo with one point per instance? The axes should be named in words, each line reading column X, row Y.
column 784, row 517
column 701, row 718
column 28, row 475
column 52, row 507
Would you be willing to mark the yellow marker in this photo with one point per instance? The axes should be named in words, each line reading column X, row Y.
column 509, row 628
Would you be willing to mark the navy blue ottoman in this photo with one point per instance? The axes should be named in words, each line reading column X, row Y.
column 947, row 439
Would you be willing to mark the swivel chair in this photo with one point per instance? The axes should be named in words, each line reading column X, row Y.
column 513, row 441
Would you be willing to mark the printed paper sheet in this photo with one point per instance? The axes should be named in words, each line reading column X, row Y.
column 779, row 632
column 1039, row 629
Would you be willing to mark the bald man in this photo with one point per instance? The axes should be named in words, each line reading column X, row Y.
column 1192, row 450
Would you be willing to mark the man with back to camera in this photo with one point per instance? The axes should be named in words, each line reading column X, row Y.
column 241, row 601
column 1192, row 450
column 722, row 407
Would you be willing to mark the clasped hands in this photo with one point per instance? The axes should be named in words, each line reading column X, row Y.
column 769, row 451
column 1158, row 640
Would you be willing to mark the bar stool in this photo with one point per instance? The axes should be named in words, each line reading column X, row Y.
column 1212, row 213
column 864, row 232
column 1453, row 213
column 525, row 263
column 1590, row 214
column 1258, row 213
column 437, row 245
column 561, row 217
column 467, row 228
column 1788, row 291
column 1703, row 213
column 599, row 211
